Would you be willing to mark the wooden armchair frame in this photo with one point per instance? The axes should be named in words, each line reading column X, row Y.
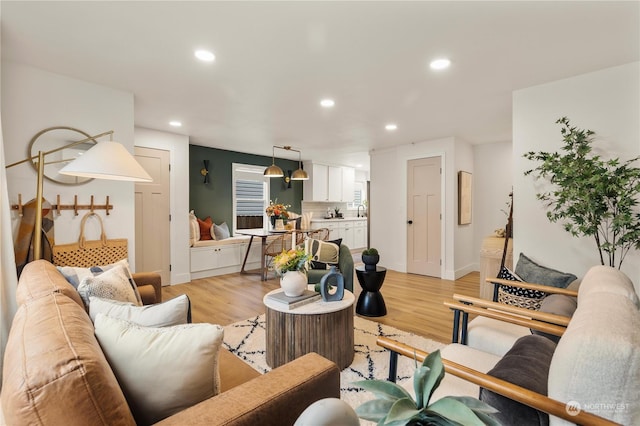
column 530, row 286
column 502, row 387
column 462, row 306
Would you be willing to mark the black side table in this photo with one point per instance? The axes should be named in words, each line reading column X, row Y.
column 370, row 303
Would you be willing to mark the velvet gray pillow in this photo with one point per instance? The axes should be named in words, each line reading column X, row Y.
column 531, row 272
column 558, row 304
column 527, row 365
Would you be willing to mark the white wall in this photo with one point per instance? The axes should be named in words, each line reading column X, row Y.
column 466, row 258
column 492, row 183
column 178, row 147
column 388, row 203
column 607, row 102
column 34, row 99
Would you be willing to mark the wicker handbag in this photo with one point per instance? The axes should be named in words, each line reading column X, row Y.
column 85, row 254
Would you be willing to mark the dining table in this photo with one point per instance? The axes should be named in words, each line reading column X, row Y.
column 263, row 234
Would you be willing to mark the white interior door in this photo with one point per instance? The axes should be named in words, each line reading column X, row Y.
column 152, row 214
column 424, row 216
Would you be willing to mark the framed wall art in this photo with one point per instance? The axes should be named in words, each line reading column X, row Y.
column 464, row 198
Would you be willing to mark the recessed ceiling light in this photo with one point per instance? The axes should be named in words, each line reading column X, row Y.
column 358, row 165
column 205, row 55
column 175, row 123
column 440, row 64
column 327, row 103
column 391, row 126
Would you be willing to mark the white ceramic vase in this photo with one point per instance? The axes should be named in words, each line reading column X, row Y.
column 294, row 283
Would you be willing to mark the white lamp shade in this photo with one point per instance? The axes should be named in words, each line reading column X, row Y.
column 107, row 160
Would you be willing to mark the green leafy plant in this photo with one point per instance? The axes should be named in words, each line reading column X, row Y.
column 591, row 196
column 394, row 406
column 370, row 252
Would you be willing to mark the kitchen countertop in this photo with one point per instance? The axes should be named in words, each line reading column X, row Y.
column 346, row 219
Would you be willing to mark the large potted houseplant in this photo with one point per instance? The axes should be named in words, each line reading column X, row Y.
column 292, row 267
column 394, row 406
column 589, row 195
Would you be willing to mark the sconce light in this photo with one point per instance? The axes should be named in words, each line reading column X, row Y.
column 275, row 171
column 287, row 179
column 205, row 171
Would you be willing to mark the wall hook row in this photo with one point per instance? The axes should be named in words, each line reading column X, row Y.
column 58, row 207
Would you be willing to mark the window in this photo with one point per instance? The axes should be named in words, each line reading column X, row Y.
column 250, row 197
column 359, row 195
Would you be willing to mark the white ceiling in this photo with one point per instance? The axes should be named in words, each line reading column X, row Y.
column 276, row 60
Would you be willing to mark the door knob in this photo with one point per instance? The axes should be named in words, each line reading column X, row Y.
column 410, row 222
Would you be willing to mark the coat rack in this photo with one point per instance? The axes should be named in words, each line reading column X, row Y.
column 75, row 206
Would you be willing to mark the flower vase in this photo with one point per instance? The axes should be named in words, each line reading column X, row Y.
column 277, row 223
column 294, row 283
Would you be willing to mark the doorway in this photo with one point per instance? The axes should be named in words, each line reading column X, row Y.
column 152, row 214
column 424, row 216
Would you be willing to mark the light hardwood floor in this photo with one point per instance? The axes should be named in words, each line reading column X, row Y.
column 414, row 302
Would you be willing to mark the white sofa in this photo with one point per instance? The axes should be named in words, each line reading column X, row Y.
column 595, row 367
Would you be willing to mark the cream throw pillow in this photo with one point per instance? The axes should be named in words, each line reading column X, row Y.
column 112, row 284
column 194, row 228
column 172, row 312
column 161, row 370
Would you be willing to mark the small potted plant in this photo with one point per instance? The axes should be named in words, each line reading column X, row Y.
column 370, row 258
column 292, row 267
column 395, row 406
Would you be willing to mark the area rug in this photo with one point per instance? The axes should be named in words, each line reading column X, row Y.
column 246, row 339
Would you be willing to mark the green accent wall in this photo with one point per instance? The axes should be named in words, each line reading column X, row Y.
column 215, row 198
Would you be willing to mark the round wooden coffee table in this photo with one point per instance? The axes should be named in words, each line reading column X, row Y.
column 322, row 327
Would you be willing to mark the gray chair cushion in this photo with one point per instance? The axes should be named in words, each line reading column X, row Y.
column 527, row 365
column 558, row 304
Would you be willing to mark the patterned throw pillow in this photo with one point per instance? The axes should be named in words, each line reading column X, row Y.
column 323, row 253
column 75, row 275
column 112, row 284
column 518, row 296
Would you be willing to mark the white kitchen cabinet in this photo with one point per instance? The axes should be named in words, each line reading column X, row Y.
column 360, row 234
column 336, row 229
column 352, row 231
column 348, row 184
column 316, row 188
column 328, row 183
column 348, row 238
column 335, row 183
